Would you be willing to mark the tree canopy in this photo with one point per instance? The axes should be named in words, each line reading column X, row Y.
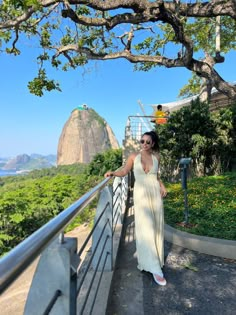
column 191, row 34
column 209, row 138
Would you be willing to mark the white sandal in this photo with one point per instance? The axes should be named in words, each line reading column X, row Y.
column 160, row 280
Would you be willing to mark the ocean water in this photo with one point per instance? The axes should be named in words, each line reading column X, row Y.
column 7, row 173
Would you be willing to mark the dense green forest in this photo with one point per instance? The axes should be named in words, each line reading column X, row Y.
column 29, row 201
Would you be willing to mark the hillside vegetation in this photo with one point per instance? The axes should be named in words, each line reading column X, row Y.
column 29, row 201
column 211, row 203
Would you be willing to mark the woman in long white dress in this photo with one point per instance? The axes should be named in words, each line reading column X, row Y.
column 148, row 205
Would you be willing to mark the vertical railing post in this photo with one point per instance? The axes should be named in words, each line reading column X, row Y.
column 104, row 202
column 117, row 204
column 55, row 272
column 125, row 191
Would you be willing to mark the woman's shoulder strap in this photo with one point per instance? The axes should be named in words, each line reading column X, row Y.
column 133, row 155
column 157, row 156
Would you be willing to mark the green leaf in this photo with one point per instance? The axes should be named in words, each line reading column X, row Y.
column 190, row 267
column 17, row 217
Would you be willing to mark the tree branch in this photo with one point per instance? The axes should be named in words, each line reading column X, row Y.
column 205, row 70
column 198, row 9
column 144, row 11
column 140, row 13
column 15, row 23
column 202, row 69
column 92, row 55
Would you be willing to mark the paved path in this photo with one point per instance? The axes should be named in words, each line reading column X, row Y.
column 197, row 284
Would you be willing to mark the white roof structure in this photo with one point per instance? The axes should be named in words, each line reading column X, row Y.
column 173, row 106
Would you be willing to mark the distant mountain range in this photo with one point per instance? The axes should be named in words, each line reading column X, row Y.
column 26, row 162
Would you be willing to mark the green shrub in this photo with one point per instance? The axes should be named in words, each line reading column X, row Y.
column 211, row 203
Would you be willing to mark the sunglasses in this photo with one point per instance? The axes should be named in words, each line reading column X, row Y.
column 143, row 141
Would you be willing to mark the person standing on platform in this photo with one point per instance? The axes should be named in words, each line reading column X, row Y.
column 160, row 116
column 148, row 205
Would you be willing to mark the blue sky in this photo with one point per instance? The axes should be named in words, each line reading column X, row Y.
column 31, row 124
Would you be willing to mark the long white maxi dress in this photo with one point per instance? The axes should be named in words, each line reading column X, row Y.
column 149, row 217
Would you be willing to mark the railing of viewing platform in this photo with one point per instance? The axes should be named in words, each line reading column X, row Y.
column 59, row 257
column 137, row 125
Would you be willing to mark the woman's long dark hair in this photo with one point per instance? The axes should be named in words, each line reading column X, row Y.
column 155, row 139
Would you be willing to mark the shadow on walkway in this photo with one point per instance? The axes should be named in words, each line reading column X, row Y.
column 197, row 284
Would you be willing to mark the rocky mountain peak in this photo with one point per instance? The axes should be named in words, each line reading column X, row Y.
column 83, row 136
column 14, row 163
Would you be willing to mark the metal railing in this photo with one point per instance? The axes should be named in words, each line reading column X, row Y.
column 137, row 125
column 58, row 280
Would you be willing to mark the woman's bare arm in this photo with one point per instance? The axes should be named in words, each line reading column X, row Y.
column 125, row 169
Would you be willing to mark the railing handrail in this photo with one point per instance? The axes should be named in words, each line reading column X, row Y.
column 141, row 116
column 20, row 257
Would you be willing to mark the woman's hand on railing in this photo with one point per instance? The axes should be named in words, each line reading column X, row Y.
column 109, row 174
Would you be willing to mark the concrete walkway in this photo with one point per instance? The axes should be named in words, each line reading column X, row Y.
column 197, row 284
